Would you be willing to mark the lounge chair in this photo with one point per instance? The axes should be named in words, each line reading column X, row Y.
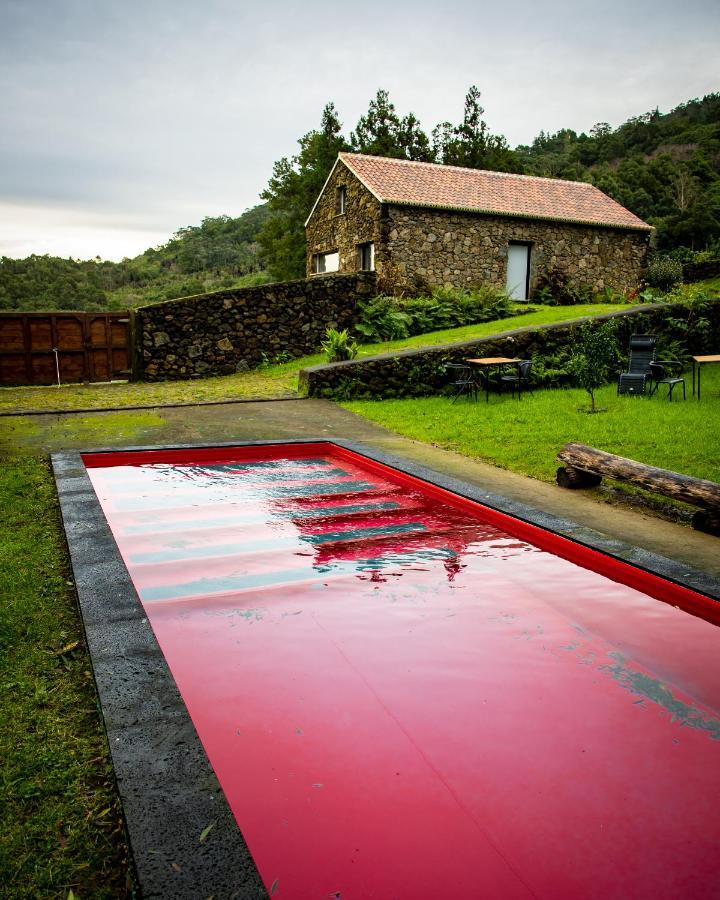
column 642, row 353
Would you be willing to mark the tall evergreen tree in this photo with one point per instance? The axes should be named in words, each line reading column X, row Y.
column 470, row 144
column 381, row 132
column 291, row 192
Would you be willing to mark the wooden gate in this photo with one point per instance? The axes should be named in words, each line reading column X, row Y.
column 91, row 346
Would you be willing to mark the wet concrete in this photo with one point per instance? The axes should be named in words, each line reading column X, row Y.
column 288, row 419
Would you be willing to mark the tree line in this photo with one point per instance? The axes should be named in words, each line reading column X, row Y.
column 219, row 253
column 663, row 167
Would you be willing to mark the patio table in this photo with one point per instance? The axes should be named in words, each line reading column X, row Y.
column 700, row 361
column 487, row 364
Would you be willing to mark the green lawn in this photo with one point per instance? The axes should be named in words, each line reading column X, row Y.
column 525, row 436
column 60, row 824
column 270, row 381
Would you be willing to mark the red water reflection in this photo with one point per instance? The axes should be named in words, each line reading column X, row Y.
column 402, row 700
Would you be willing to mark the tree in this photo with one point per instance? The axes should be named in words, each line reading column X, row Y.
column 291, row 192
column 594, row 357
column 470, row 144
column 381, row 132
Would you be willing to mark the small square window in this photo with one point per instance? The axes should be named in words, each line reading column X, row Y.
column 366, row 257
column 340, row 200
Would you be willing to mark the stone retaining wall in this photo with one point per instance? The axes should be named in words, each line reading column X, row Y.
column 697, row 271
column 413, row 373
column 229, row 331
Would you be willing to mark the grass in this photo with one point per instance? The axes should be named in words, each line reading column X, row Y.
column 269, row 382
column 525, row 436
column 60, row 821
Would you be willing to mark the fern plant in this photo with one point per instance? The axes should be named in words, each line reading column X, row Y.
column 338, row 346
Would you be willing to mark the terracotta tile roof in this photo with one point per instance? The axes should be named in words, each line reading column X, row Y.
column 398, row 181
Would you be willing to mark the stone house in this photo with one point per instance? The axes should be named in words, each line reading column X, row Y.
column 420, row 225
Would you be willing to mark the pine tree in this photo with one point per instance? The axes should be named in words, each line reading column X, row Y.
column 470, row 144
column 381, row 132
column 291, row 192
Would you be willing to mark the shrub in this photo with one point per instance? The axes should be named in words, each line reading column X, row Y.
column 381, row 319
column 554, row 288
column 664, row 273
column 338, row 346
column 390, row 318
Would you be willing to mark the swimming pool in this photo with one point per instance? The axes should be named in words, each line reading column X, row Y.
column 404, row 693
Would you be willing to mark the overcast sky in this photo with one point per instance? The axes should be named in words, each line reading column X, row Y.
column 122, row 122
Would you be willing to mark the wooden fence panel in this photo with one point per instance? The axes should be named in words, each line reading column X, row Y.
column 90, row 347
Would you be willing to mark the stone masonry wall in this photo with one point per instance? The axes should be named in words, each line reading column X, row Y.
column 428, row 247
column 229, row 331
column 417, row 249
column 328, row 231
column 414, row 373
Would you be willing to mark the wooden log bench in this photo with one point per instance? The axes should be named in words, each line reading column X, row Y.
column 585, row 466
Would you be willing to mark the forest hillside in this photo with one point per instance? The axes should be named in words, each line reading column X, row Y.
column 664, row 167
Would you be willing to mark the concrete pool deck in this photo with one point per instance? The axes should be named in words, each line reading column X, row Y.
column 288, row 419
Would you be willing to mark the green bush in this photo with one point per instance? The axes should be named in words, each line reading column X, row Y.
column 664, row 273
column 594, row 357
column 554, row 288
column 338, row 346
column 390, row 318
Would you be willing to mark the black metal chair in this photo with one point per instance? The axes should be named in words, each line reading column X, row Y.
column 465, row 382
column 642, row 353
column 521, row 380
column 659, row 375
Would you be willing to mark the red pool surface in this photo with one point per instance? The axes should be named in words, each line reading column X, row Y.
column 407, row 695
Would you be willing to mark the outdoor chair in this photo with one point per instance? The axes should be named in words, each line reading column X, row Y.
column 519, row 381
column 659, row 375
column 642, row 353
column 464, row 382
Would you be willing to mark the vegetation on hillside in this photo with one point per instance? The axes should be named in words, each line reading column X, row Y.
column 663, row 167
column 222, row 252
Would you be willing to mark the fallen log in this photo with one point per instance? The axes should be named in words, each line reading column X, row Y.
column 580, row 460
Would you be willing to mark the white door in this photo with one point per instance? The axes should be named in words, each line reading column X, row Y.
column 518, row 265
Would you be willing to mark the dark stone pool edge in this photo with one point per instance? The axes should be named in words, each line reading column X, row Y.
column 168, row 790
column 167, row 787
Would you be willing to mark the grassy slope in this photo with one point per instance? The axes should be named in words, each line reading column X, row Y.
column 60, row 823
column 524, row 436
column 272, row 381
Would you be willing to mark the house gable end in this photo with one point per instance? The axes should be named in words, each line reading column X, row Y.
column 342, row 227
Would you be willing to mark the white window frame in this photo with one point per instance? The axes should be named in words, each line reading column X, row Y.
column 340, row 200
column 361, row 254
column 321, row 260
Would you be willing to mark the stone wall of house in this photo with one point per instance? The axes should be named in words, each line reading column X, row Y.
column 414, row 373
column 230, row 331
column 426, row 248
column 328, row 231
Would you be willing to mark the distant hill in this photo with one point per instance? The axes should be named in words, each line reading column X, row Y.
column 222, row 252
column 663, row 167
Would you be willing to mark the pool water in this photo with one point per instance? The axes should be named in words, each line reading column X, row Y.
column 401, row 698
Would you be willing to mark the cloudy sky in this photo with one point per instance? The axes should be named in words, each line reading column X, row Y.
column 121, row 122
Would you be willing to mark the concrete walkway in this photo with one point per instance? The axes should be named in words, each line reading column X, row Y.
column 319, row 418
